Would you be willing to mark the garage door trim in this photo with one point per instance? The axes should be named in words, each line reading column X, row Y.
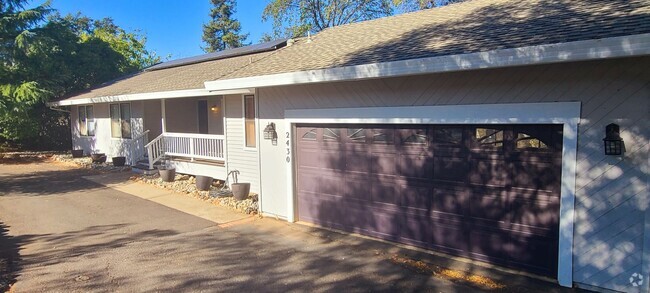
column 565, row 113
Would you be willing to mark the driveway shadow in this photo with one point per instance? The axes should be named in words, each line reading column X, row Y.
column 49, row 182
column 9, row 258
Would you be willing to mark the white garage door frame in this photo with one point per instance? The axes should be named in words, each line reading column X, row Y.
column 565, row 113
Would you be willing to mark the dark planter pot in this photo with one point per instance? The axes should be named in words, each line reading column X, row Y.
column 119, row 161
column 240, row 190
column 98, row 158
column 77, row 153
column 167, row 175
column 203, row 182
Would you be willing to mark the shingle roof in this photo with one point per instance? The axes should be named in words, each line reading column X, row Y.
column 170, row 79
column 473, row 26
column 468, row 27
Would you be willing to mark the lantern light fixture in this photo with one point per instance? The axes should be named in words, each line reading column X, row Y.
column 613, row 141
column 214, row 108
column 269, row 132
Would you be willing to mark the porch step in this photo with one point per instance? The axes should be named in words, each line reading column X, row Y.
column 142, row 167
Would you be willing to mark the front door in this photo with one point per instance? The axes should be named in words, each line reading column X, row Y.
column 203, row 116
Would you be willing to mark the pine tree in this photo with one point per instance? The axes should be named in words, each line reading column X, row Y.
column 222, row 31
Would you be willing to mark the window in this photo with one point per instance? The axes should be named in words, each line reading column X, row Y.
column 86, row 121
column 120, row 120
column 417, row 136
column 448, row 135
column 331, row 134
column 526, row 141
column 310, row 135
column 357, row 135
column 489, row 137
column 382, row 136
column 249, row 121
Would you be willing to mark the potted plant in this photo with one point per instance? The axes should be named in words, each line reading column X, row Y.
column 203, row 182
column 98, row 157
column 167, row 171
column 119, row 161
column 77, row 153
column 239, row 190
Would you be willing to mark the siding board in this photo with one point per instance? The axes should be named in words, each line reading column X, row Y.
column 239, row 158
column 611, row 193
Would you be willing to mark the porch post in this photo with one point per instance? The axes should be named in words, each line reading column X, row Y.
column 163, row 114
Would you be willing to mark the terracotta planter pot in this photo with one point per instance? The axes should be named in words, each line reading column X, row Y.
column 167, row 175
column 203, row 182
column 98, row 158
column 240, row 190
column 119, row 161
column 77, row 153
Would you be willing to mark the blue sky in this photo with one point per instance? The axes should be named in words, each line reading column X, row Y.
column 171, row 27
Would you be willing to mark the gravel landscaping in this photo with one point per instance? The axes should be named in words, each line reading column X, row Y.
column 186, row 184
column 86, row 162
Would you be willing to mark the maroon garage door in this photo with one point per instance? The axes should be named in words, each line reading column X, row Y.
column 487, row 192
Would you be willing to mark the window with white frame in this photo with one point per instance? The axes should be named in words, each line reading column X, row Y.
column 249, row 121
column 120, row 120
column 86, row 121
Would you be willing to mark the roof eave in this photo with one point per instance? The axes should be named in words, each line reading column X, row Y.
column 150, row 96
column 615, row 47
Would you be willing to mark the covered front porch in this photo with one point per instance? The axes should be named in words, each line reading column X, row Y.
column 188, row 133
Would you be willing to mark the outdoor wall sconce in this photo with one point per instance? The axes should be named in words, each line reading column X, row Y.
column 214, row 108
column 613, row 141
column 269, row 132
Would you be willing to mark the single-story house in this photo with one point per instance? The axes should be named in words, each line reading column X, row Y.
column 475, row 129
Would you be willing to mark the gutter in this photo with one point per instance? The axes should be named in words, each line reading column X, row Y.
column 149, row 96
column 616, row 47
column 58, row 110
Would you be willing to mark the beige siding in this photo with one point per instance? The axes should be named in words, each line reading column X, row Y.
column 246, row 160
column 612, row 193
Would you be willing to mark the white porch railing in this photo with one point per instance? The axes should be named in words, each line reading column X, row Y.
column 188, row 145
column 137, row 149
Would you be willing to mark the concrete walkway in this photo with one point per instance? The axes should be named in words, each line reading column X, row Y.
column 186, row 204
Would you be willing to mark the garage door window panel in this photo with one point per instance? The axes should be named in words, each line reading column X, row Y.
column 331, row 135
column 309, row 135
column 488, row 138
column 383, row 136
column 414, row 137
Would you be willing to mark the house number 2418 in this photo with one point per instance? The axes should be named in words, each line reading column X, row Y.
column 288, row 148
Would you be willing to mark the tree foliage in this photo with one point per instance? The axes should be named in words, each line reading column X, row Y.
column 294, row 18
column 44, row 56
column 222, row 31
column 414, row 5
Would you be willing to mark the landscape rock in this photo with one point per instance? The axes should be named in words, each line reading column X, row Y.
column 186, row 184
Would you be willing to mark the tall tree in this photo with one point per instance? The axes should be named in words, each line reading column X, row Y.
column 222, row 31
column 294, row 18
column 44, row 56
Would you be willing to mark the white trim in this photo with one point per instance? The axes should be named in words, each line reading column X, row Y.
column 150, row 96
column 625, row 46
column 566, row 113
column 243, row 117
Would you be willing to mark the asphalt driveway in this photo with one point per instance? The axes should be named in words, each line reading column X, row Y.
column 60, row 232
